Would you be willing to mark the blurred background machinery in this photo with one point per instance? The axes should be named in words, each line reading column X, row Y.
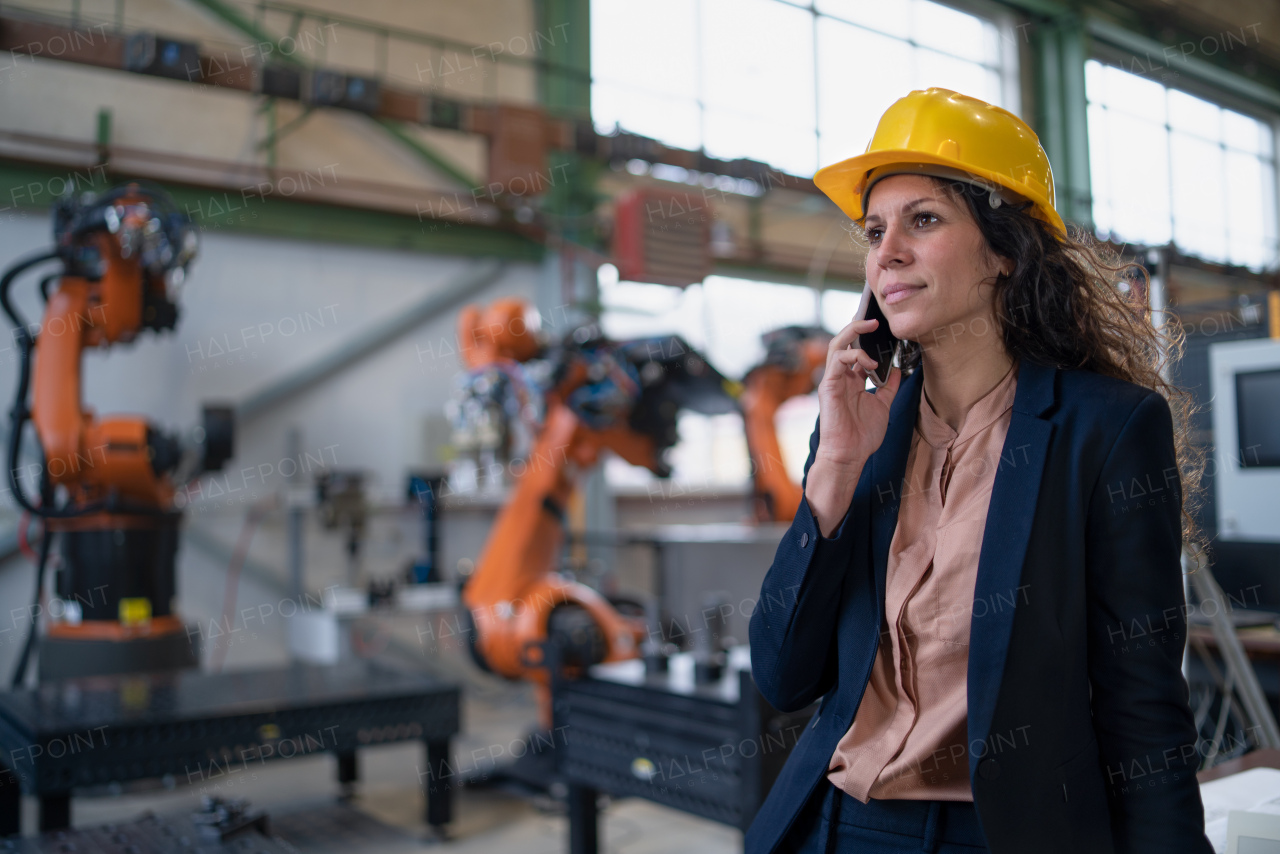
column 598, row 395
column 795, row 358
column 525, row 301
column 105, row 487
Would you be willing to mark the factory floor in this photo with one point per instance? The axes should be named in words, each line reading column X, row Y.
column 385, row 816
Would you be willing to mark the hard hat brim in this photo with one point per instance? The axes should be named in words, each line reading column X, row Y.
column 844, row 182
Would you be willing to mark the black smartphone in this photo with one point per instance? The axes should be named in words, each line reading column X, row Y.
column 879, row 344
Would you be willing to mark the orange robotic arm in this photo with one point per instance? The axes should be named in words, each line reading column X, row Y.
column 106, row 485
column 793, row 366
column 500, row 331
column 93, row 459
column 515, row 598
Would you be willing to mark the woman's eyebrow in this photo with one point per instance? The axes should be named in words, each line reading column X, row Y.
column 905, row 209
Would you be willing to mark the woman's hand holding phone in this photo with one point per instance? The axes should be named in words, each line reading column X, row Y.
column 852, row 423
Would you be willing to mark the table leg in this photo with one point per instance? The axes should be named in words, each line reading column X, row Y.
column 55, row 811
column 10, row 803
column 437, row 786
column 584, row 820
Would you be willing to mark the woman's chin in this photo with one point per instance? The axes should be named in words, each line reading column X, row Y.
column 907, row 328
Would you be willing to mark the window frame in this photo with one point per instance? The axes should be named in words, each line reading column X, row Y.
column 1008, row 65
column 1116, row 57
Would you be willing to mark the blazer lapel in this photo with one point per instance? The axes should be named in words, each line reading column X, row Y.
column 1004, row 544
column 888, row 468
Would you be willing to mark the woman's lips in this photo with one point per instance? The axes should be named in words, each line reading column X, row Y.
column 897, row 293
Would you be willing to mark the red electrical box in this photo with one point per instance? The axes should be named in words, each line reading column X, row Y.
column 662, row 236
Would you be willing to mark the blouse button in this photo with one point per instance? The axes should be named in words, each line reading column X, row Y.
column 804, row 539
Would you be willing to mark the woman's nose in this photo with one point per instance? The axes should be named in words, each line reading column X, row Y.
column 893, row 250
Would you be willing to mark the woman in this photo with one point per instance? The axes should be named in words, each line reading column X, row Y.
column 980, row 537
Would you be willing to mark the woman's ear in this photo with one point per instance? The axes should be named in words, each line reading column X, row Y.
column 1001, row 265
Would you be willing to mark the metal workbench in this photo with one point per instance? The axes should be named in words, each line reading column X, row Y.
column 200, row 728
column 712, row 750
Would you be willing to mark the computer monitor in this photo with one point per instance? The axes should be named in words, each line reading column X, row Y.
column 1258, row 418
column 1244, row 399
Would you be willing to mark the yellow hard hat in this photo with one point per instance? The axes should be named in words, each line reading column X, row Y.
column 940, row 128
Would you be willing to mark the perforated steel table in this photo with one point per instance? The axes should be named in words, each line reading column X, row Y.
column 200, row 727
column 712, row 750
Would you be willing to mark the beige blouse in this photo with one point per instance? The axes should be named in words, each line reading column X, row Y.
column 909, row 739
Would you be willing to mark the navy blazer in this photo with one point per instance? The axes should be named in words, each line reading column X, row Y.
column 1080, row 736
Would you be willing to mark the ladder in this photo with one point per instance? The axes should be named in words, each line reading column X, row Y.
column 1241, row 695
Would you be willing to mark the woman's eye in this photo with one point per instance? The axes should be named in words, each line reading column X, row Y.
column 925, row 218
column 874, row 234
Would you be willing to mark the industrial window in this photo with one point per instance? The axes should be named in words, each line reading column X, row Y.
column 1168, row 166
column 794, row 85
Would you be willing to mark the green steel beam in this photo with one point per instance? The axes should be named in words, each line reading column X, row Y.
column 427, row 154
column 1060, row 48
column 273, row 122
column 104, row 135
column 442, row 43
column 232, row 17
column 1208, row 58
column 277, row 132
column 1078, row 186
column 1066, row 34
column 1061, row 44
column 565, row 81
column 570, row 205
column 104, row 127
column 1147, row 54
column 25, row 188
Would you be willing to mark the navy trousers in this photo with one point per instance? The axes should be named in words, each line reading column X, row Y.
column 835, row 823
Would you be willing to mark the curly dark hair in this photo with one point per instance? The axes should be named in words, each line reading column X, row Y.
column 1068, row 303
